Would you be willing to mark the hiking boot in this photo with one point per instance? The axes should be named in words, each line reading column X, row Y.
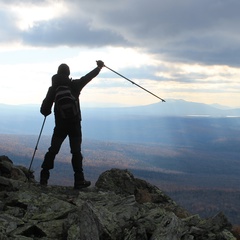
column 82, row 184
column 44, row 176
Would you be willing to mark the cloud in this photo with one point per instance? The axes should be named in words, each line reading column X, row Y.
column 8, row 30
column 68, row 32
column 182, row 31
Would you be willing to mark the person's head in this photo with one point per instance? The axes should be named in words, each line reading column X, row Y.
column 63, row 69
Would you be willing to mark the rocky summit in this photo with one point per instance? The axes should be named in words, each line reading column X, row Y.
column 119, row 206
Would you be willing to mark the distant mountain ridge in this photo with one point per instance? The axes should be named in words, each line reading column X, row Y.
column 27, row 119
column 185, row 108
column 171, row 107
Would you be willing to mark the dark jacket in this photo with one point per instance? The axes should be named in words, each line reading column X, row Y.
column 76, row 86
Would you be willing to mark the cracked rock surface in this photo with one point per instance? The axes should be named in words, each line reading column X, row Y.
column 119, row 206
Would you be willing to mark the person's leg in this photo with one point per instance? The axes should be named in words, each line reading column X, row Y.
column 57, row 139
column 75, row 139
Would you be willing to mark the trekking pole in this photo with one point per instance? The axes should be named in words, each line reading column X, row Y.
column 135, row 83
column 29, row 169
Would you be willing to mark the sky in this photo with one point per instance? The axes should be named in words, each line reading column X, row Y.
column 184, row 49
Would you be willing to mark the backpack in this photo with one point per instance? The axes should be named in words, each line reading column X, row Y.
column 66, row 104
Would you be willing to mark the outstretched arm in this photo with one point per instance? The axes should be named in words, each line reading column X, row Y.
column 83, row 81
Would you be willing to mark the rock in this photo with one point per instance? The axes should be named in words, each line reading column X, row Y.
column 8, row 170
column 5, row 166
column 5, row 184
column 120, row 206
column 123, row 182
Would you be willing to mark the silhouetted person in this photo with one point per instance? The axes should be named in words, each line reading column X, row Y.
column 65, row 93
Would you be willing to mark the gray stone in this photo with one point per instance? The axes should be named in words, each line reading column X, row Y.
column 119, row 207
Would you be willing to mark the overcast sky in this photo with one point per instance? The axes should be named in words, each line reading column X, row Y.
column 177, row 49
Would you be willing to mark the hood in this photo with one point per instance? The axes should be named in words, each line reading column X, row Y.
column 60, row 80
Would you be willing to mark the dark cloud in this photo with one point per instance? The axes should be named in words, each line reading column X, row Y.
column 71, row 33
column 185, row 31
column 189, row 31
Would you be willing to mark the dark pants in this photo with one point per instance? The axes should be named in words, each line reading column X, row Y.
column 61, row 131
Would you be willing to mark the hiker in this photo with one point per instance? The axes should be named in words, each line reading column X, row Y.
column 65, row 92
